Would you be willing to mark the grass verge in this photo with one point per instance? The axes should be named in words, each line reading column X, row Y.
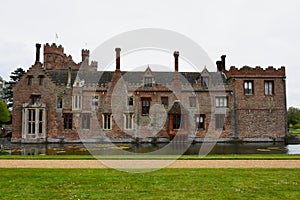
column 162, row 184
column 183, row 157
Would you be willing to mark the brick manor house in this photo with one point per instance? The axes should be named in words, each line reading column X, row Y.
column 60, row 100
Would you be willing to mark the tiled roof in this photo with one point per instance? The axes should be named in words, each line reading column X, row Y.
column 134, row 77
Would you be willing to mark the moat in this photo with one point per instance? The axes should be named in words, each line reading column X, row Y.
column 127, row 148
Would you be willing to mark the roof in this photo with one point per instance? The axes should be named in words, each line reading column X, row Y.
column 133, row 77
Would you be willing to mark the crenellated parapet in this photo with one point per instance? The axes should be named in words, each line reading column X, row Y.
column 55, row 58
column 257, row 71
column 53, row 49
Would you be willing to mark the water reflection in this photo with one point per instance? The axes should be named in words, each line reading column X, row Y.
column 124, row 149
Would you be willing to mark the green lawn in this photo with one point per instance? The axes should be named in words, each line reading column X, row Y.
column 163, row 184
column 183, row 157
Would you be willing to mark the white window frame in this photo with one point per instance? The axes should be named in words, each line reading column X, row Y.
column 269, row 87
column 77, row 102
column 248, row 87
column 35, row 118
column 221, row 102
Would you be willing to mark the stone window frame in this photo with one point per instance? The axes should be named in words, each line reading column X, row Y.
column 269, row 91
column 129, row 121
column 31, row 122
column 200, row 121
column 76, row 102
column 107, row 121
column 221, row 101
column 34, row 119
column 248, row 87
column 145, row 105
column 219, row 121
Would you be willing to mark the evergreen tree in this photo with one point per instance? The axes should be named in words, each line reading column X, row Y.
column 8, row 92
column 2, row 83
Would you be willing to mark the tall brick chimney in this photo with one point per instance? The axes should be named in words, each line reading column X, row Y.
column 223, row 62
column 219, row 65
column 176, row 54
column 37, row 54
column 118, row 50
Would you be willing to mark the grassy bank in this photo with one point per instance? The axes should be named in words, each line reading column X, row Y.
column 183, row 157
column 162, row 184
column 294, row 130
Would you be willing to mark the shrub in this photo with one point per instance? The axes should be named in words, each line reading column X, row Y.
column 296, row 126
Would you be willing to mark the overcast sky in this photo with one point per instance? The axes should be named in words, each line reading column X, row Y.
column 251, row 32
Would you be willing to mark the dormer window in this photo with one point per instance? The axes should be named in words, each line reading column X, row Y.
column 205, row 81
column 148, row 82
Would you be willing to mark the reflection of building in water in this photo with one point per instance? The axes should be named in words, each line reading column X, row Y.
column 62, row 101
column 33, row 151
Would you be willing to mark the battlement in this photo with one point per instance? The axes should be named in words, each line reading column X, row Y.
column 85, row 51
column 85, row 54
column 53, row 49
column 94, row 64
column 257, row 71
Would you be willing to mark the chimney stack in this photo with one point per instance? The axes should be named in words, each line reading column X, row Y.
column 37, row 55
column 223, row 62
column 219, row 65
column 85, row 54
column 176, row 54
column 118, row 50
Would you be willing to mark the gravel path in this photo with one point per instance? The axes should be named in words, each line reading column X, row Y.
column 150, row 164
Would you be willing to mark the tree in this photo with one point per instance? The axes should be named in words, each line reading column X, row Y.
column 4, row 113
column 293, row 115
column 8, row 91
column 2, row 85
